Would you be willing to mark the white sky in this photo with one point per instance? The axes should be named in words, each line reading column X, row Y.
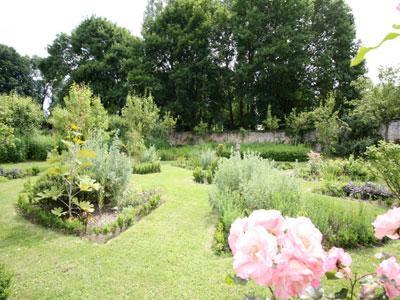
column 29, row 26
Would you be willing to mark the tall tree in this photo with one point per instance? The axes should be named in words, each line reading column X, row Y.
column 180, row 57
column 291, row 54
column 20, row 74
column 96, row 53
column 331, row 50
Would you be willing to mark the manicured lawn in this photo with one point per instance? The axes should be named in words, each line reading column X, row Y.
column 164, row 256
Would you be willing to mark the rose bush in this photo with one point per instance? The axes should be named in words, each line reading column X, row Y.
column 286, row 255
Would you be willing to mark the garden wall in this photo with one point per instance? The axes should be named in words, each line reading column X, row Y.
column 181, row 138
column 394, row 131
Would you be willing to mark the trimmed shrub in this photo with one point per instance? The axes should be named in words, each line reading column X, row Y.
column 38, row 146
column 150, row 155
column 46, row 219
column 14, row 152
column 147, row 168
column 385, row 159
column 110, row 167
column 207, row 157
column 251, row 183
column 5, row 283
column 332, row 188
column 278, row 152
column 202, row 176
column 343, row 223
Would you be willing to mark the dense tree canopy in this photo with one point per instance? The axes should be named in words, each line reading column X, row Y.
column 229, row 63
column 226, row 61
column 96, row 53
column 19, row 73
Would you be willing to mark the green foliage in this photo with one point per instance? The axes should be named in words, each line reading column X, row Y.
column 144, row 121
column 135, row 205
column 19, row 117
column 244, row 185
column 299, row 124
column 277, row 152
column 17, row 74
column 201, row 129
column 150, row 155
column 343, row 223
column 207, row 157
column 332, row 188
column 5, row 283
column 83, row 111
column 147, row 167
column 380, row 103
column 271, row 122
column 385, row 160
column 21, row 113
column 255, row 179
column 47, row 219
column 109, row 167
column 338, row 169
column 327, row 124
column 38, row 146
column 98, row 53
column 200, row 175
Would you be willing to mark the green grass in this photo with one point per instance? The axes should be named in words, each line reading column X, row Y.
column 166, row 255
column 26, row 165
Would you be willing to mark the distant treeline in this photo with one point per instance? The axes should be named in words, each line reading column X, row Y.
column 213, row 61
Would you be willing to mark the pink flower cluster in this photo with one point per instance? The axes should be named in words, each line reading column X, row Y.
column 283, row 253
column 388, row 224
column 389, row 271
column 313, row 155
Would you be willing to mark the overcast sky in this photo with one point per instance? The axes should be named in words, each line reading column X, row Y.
column 29, row 26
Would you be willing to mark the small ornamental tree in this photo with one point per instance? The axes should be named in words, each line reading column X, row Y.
column 380, row 102
column 385, row 160
column 328, row 125
column 82, row 109
column 271, row 122
column 142, row 119
column 286, row 255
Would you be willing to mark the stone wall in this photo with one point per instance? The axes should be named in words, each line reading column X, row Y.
column 187, row 137
column 181, row 138
column 394, row 131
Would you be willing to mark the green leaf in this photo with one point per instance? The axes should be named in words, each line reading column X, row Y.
column 364, row 50
column 235, row 280
column 58, row 211
column 53, row 193
column 342, row 294
column 331, row 276
column 396, row 26
column 87, row 184
column 86, row 206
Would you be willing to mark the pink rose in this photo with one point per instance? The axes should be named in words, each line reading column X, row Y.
column 389, row 270
column 338, row 261
column 238, row 229
column 303, row 241
column 291, row 277
column 388, row 224
column 255, row 254
column 271, row 220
